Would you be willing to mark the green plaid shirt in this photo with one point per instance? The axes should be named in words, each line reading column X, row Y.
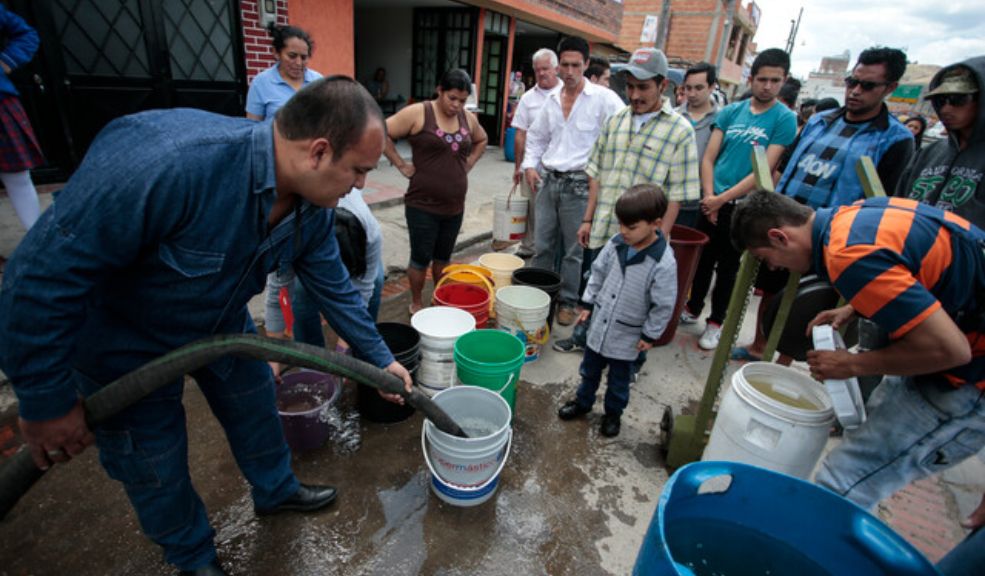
column 663, row 152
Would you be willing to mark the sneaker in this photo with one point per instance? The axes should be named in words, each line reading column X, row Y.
column 710, row 337
column 567, row 345
column 688, row 318
column 566, row 315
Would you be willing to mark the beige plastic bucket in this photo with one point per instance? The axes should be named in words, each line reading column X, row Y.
column 501, row 266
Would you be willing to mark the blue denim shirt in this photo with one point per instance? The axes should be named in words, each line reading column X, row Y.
column 160, row 238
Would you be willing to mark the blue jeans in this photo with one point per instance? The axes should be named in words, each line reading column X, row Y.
column 561, row 203
column 916, row 427
column 617, row 387
column 307, row 318
column 146, row 449
column 273, row 317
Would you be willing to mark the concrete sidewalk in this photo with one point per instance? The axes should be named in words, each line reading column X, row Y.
column 572, row 502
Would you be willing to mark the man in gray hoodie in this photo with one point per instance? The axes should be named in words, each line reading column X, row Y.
column 949, row 174
column 700, row 109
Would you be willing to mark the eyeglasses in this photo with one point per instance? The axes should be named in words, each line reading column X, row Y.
column 955, row 100
column 866, row 85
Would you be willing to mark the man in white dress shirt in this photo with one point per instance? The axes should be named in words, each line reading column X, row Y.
column 561, row 140
column 545, row 71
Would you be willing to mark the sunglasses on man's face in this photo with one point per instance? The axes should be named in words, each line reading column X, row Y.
column 866, row 85
column 955, row 100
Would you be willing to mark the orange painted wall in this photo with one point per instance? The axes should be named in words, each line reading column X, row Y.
column 330, row 23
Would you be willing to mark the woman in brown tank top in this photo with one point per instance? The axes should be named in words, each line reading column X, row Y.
column 446, row 141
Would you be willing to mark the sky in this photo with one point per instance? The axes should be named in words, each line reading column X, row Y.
column 929, row 31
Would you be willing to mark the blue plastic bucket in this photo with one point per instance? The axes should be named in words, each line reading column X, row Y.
column 737, row 519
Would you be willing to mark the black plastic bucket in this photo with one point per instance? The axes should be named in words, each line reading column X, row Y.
column 546, row 280
column 404, row 343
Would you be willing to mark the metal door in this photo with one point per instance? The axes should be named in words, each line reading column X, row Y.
column 101, row 59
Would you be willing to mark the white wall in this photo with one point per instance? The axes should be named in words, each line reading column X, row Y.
column 384, row 37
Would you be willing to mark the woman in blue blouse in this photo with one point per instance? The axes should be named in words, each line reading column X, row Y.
column 274, row 86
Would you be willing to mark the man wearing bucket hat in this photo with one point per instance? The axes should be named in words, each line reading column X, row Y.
column 645, row 143
column 161, row 237
column 561, row 140
column 919, row 273
column 950, row 173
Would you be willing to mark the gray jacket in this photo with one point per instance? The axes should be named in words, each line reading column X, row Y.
column 633, row 298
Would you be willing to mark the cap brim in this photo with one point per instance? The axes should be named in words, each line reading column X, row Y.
column 636, row 71
column 946, row 90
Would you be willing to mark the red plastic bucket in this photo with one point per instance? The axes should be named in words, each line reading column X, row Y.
column 469, row 297
column 687, row 244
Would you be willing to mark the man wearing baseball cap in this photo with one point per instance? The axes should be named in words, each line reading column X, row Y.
column 645, row 143
column 949, row 174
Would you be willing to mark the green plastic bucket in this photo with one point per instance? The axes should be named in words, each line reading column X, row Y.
column 490, row 359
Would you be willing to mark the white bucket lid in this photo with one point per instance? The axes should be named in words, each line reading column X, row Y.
column 442, row 322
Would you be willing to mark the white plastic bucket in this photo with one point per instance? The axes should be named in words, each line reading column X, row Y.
column 465, row 471
column 501, row 266
column 522, row 311
column 774, row 417
column 439, row 327
column 509, row 218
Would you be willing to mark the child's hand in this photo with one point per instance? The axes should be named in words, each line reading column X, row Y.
column 643, row 345
column 584, row 315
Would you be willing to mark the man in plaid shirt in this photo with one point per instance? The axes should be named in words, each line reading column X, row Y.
column 647, row 142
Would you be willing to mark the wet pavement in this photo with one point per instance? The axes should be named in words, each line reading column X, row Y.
column 570, row 501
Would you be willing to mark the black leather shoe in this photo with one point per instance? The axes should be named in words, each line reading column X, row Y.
column 610, row 425
column 306, row 499
column 211, row 569
column 571, row 410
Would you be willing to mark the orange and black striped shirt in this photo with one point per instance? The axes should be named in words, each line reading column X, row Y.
column 897, row 261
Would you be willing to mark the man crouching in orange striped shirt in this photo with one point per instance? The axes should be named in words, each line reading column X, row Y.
column 919, row 273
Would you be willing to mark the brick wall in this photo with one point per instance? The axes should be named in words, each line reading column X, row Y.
column 606, row 14
column 691, row 24
column 256, row 40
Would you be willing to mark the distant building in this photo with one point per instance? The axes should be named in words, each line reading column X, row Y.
column 828, row 81
column 696, row 30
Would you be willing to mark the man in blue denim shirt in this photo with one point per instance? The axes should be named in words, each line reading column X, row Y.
column 161, row 237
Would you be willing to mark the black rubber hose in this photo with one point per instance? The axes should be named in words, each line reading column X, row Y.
column 20, row 473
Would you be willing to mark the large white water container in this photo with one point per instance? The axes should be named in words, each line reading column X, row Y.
column 774, row 417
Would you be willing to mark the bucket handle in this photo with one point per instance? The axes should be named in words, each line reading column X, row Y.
column 509, row 197
column 507, row 385
column 499, row 469
column 489, row 287
column 530, row 338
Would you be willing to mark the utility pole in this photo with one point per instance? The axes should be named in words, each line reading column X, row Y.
column 794, row 28
column 664, row 27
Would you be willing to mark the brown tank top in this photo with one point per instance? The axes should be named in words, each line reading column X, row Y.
column 440, row 166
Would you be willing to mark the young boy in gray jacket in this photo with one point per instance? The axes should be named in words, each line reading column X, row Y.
column 632, row 290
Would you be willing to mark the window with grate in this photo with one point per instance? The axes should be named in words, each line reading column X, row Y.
column 102, row 38
column 200, row 39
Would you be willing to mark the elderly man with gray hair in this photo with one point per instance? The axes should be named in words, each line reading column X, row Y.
column 545, row 71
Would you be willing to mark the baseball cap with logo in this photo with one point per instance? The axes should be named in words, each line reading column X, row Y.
column 644, row 64
column 957, row 81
